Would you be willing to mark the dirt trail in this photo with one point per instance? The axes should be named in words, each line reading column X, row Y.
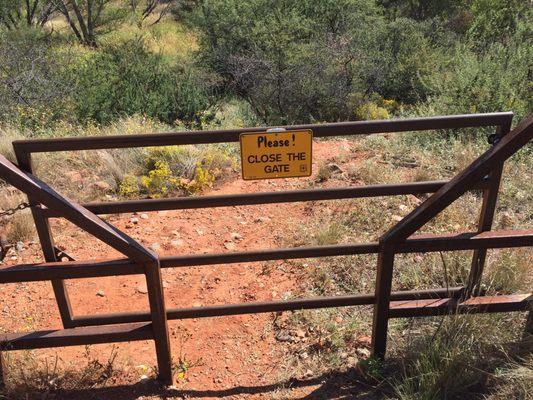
column 229, row 352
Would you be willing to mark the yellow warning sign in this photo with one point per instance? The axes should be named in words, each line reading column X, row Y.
column 283, row 154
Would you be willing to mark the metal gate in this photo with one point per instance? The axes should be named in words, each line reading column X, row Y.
column 483, row 174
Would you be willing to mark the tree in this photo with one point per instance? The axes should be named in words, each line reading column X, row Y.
column 303, row 60
column 14, row 13
column 87, row 18
column 33, row 87
column 144, row 8
column 497, row 20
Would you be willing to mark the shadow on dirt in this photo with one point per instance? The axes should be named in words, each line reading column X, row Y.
column 348, row 385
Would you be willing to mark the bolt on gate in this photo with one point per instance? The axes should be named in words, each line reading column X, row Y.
column 484, row 174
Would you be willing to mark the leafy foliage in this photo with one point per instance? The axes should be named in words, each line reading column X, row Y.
column 127, row 79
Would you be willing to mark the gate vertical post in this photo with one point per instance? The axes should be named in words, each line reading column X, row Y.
column 382, row 301
column 44, row 232
column 486, row 218
column 158, row 312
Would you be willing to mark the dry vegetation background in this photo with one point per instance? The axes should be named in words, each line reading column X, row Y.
column 221, row 64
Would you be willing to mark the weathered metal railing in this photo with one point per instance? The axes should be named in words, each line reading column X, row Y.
column 483, row 174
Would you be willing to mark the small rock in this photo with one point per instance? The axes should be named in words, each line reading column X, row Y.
column 283, row 337
column 196, row 304
column 101, row 186
column 236, row 236
column 397, row 218
column 155, row 246
column 199, row 232
column 142, row 288
column 229, row 245
column 144, row 216
column 363, row 352
column 164, row 284
column 262, row 219
column 308, row 374
column 304, row 356
column 299, row 333
column 343, row 355
column 100, row 293
column 19, row 246
column 143, row 378
column 176, row 243
column 338, row 319
column 334, row 168
column 414, row 199
column 134, row 220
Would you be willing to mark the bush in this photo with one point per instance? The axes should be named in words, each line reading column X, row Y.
column 175, row 170
column 125, row 79
column 34, row 90
column 304, row 73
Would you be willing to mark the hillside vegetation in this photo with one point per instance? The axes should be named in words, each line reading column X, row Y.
column 103, row 67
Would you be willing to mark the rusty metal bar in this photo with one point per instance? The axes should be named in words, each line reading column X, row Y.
column 264, row 307
column 68, row 270
column 247, row 199
column 158, row 316
column 41, row 192
column 417, row 244
column 225, row 136
column 382, row 295
column 486, row 218
column 75, row 336
column 425, row 243
column 482, row 304
column 42, row 225
column 483, row 165
column 466, row 241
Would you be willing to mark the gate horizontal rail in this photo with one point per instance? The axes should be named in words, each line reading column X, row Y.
column 417, row 244
column 288, row 196
column 232, row 135
column 483, row 174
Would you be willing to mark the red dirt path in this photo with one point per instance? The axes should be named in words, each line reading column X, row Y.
column 231, row 352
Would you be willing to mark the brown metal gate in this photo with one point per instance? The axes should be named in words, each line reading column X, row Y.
column 483, row 174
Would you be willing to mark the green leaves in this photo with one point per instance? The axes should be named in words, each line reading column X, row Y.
column 127, row 79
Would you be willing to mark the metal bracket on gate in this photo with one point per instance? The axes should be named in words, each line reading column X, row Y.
column 494, row 138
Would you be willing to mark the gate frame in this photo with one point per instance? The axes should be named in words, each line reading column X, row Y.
column 484, row 173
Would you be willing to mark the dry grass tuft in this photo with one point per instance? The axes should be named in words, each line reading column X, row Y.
column 462, row 357
column 17, row 227
column 446, row 357
column 7, row 136
column 27, row 379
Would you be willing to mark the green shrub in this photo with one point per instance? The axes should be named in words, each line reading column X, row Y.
column 496, row 79
column 34, row 90
column 160, row 181
column 172, row 170
column 125, row 79
column 129, row 186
